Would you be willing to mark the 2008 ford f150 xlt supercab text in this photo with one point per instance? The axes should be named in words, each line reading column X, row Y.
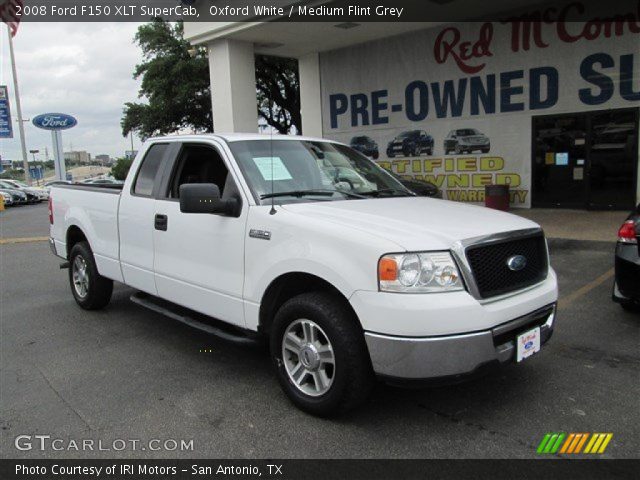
column 311, row 246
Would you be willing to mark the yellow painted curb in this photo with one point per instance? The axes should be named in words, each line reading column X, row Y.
column 8, row 241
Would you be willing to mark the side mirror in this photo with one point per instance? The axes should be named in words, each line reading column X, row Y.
column 205, row 198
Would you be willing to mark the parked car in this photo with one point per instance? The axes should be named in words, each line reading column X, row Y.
column 343, row 285
column 17, row 197
column 7, row 198
column 366, row 146
column 419, row 187
column 411, row 143
column 33, row 196
column 466, row 140
column 40, row 192
column 48, row 185
column 101, row 181
column 626, row 287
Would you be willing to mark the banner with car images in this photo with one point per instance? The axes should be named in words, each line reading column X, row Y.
column 453, row 104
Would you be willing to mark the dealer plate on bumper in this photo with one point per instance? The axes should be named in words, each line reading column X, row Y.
column 527, row 344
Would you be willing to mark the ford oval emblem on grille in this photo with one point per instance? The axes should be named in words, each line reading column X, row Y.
column 517, row 262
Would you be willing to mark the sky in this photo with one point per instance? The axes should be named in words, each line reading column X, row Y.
column 82, row 69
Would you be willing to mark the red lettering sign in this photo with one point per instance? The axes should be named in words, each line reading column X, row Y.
column 448, row 44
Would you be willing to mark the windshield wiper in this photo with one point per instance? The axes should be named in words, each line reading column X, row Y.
column 376, row 193
column 306, row 193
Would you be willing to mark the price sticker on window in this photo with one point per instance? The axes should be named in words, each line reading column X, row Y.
column 272, row 168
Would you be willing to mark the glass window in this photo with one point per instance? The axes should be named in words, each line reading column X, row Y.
column 199, row 164
column 465, row 132
column 334, row 171
column 149, row 169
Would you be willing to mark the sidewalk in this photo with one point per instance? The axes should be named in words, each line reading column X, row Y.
column 576, row 224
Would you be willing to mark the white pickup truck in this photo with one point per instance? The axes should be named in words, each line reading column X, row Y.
column 308, row 245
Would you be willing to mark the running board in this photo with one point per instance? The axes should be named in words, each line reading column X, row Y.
column 189, row 317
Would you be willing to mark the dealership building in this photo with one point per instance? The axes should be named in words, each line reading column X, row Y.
column 550, row 108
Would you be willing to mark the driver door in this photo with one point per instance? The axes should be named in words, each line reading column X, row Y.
column 199, row 258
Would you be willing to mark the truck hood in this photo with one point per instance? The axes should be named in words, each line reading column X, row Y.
column 414, row 223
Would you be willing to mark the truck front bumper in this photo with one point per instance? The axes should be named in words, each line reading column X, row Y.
column 399, row 359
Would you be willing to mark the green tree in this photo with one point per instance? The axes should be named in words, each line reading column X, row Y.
column 121, row 168
column 176, row 91
column 174, row 84
column 278, row 87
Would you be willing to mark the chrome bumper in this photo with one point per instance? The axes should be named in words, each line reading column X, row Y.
column 450, row 356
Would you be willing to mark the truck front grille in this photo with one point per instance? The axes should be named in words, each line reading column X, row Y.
column 490, row 269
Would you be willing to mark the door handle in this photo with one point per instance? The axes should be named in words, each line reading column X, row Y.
column 161, row 222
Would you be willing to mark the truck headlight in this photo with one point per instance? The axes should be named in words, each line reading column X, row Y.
column 424, row 272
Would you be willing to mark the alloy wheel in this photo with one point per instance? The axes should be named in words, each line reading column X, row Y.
column 80, row 276
column 308, row 357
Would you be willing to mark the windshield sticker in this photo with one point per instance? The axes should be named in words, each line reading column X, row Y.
column 267, row 166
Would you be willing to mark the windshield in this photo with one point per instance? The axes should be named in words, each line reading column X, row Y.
column 411, row 133
column 311, row 171
column 467, row 132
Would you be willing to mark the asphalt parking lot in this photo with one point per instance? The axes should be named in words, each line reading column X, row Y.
column 128, row 373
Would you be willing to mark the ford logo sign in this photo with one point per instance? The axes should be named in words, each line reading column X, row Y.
column 528, row 345
column 516, row 263
column 55, row 121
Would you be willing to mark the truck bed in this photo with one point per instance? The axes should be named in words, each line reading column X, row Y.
column 104, row 188
column 95, row 208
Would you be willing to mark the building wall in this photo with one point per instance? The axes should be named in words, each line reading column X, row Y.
column 490, row 76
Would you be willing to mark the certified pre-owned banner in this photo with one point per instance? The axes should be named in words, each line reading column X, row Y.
column 315, row 469
column 454, row 104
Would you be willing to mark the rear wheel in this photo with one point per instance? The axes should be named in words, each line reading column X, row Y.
column 320, row 355
column 90, row 290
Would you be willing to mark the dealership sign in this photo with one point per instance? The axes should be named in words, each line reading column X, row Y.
column 6, row 127
column 470, row 91
column 55, row 121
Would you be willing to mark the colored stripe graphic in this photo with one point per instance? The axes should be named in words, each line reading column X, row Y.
column 551, row 442
column 572, row 443
column 598, row 443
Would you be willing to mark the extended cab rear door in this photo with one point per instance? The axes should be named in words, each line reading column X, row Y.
column 199, row 258
column 136, row 217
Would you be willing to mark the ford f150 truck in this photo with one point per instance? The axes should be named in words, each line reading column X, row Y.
column 308, row 245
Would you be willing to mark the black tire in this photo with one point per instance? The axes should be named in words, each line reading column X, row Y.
column 99, row 290
column 630, row 307
column 485, row 150
column 353, row 376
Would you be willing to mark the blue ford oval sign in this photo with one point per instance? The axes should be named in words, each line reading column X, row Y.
column 55, row 121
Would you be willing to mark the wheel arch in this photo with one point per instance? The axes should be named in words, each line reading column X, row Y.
column 73, row 236
column 289, row 285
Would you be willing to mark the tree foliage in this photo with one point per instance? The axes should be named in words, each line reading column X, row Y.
column 279, row 93
column 121, row 168
column 174, row 83
column 176, row 86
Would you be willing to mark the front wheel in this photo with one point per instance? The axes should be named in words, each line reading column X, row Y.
column 320, row 355
column 91, row 290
